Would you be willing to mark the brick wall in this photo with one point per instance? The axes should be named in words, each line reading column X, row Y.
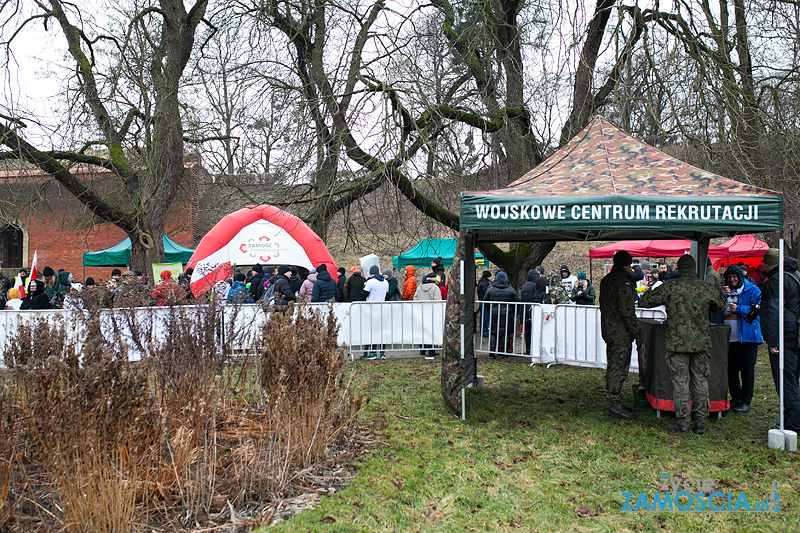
column 59, row 227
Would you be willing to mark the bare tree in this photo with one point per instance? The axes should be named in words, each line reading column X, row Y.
column 127, row 89
column 477, row 91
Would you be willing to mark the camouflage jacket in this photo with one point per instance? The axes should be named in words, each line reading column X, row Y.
column 688, row 301
column 617, row 313
column 558, row 293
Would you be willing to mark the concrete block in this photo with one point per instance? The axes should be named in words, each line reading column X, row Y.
column 782, row 440
column 775, row 439
column 790, row 444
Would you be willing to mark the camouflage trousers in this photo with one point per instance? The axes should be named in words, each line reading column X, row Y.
column 689, row 385
column 618, row 362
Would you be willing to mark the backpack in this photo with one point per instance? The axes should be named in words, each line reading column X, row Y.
column 268, row 298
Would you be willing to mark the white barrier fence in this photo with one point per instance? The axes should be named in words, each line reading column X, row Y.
column 566, row 334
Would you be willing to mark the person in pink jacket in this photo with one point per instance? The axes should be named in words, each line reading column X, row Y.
column 308, row 285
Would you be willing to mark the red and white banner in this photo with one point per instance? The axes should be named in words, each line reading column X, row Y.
column 210, row 271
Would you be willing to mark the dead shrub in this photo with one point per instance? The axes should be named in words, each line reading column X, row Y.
column 10, row 442
column 185, row 432
column 300, row 373
column 88, row 417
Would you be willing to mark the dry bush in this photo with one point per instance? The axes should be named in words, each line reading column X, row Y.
column 10, row 441
column 174, row 438
column 88, row 416
column 300, row 374
column 190, row 383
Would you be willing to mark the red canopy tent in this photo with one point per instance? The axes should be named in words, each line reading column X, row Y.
column 652, row 248
column 742, row 248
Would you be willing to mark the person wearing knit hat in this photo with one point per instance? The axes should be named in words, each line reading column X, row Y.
column 688, row 300
column 321, row 267
column 282, row 286
column 438, row 268
column 73, row 300
column 583, row 292
column 166, row 294
column 501, row 321
column 50, row 283
column 393, row 294
column 324, row 288
column 354, row 286
column 619, row 327
column 770, row 328
column 771, row 257
column 375, row 290
column 340, row 284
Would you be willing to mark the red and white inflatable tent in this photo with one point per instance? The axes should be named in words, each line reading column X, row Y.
column 262, row 234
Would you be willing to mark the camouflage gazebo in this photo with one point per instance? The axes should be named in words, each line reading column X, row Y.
column 603, row 185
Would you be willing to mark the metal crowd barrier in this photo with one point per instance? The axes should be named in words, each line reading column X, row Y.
column 567, row 334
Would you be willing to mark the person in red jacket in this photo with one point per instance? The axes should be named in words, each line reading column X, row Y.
column 168, row 292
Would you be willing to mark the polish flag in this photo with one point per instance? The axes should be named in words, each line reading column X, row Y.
column 20, row 286
column 33, row 264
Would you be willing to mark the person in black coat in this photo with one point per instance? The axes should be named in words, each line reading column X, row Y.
column 438, row 269
column 324, row 288
column 483, row 286
column 36, row 297
column 533, row 291
column 282, row 286
column 340, row 285
column 256, row 282
column 501, row 329
column 294, row 281
column 770, row 329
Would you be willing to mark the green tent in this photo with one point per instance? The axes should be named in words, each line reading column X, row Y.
column 427, row 250
column 120, row 254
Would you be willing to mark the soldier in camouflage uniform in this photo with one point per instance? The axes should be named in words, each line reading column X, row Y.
column 619, row 327
column 688, row 301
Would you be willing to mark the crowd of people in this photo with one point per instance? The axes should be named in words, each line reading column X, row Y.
column 272, row 284
column 60, row 290
column 744, row 299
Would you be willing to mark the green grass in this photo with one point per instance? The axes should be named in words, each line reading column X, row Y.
column 538, row 453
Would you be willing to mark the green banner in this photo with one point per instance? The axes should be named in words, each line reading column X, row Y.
column 744, row 214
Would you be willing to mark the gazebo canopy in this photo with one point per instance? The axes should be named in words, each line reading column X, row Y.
column 120, row 254
column 426, row 250
column 738, row 246
column 606, row 185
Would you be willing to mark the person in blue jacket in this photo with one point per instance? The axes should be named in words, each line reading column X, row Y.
column 238, row 293
column 742, row 315
column 324, row 288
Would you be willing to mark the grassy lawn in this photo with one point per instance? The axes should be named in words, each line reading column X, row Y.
column 538, row 453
